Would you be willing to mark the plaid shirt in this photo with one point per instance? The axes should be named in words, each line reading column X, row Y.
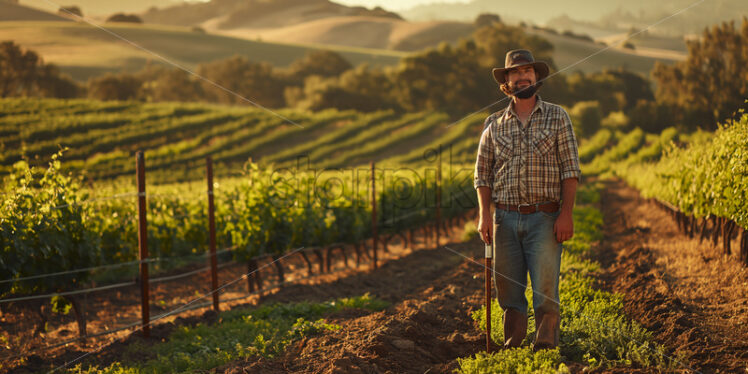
column 527, row 165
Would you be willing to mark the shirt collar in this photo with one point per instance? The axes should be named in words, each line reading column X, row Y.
column 539, row 105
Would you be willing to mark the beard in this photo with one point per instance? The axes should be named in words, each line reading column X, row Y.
column 525, row 92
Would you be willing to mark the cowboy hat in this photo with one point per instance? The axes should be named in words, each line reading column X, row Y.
column 516, row 58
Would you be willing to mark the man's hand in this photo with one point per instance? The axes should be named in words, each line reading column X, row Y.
column 485, row 223
column 564, row 225
column 485, row 227
column 563, row 228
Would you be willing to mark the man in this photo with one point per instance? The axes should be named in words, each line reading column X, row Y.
column 528, row 168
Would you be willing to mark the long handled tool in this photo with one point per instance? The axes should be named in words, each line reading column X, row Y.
column 489, row 257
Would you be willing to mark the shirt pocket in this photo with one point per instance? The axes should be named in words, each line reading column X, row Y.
column 504, row 148
column 543, row 141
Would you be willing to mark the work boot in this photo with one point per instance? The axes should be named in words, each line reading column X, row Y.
column 547, row 331
column 515, row 328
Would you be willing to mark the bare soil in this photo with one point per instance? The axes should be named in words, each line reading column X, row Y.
column 432, row 291
column 693, row 298
column 426, row 329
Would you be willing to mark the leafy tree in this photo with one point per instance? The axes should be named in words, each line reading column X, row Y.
column 24, row 73
column 374, row 85
column 634, row 87
column 322, row 62
column 110, row 86
column 122, row 17
column 586, row 117
column 52, row 83
column 602, row 87
column 712, row 83
column 497, row 39
column 615, row 89
column 486, row 19
column 362, row 88
column 164, row 84
column 256, row 81
column 18, row 70
column 318, row 93
column 445, row 78
column 68, row 11
column 652, row 116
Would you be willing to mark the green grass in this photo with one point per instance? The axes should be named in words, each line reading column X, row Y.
column 594, row 329
column 239, row 333
column 515, row 361
column 84, row 51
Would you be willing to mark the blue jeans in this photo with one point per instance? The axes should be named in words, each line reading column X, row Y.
column 522, row 243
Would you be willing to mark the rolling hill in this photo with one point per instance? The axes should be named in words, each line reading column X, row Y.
column 571, row 53
column 10, row 11
column 231, row 14
column 539, row 13
column 283, row 36
column 368, row 32
column 411, row 36
column 616, row 15
column 84, row 51
column 98, row 8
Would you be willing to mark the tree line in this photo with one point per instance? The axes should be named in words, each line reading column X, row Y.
column 709, row 86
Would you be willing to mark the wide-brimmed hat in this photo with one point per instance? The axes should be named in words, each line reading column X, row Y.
column 516, row 58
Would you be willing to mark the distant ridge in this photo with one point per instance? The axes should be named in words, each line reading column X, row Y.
column 231, row 14
column 11, row 11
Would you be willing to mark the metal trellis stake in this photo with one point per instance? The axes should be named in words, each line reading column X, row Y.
column 438, row 198
column 212, row 233
column 143, row 242
column 373, row 215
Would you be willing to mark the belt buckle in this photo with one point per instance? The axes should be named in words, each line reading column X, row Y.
column 519, row 207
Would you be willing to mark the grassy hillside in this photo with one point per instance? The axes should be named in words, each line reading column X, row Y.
column 609, row 14
column 83, row 51
column 103, row 136
column 568, row 51
column 18, row 12
column 357, row 31
column 409, row 36
column 98, row 7
column 231, row 14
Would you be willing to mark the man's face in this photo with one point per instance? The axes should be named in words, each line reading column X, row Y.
column 521, row 77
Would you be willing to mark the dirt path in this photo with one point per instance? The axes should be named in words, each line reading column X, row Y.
column 691, row 297
column 426, row 329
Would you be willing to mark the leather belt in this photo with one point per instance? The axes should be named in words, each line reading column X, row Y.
column 548, row 207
